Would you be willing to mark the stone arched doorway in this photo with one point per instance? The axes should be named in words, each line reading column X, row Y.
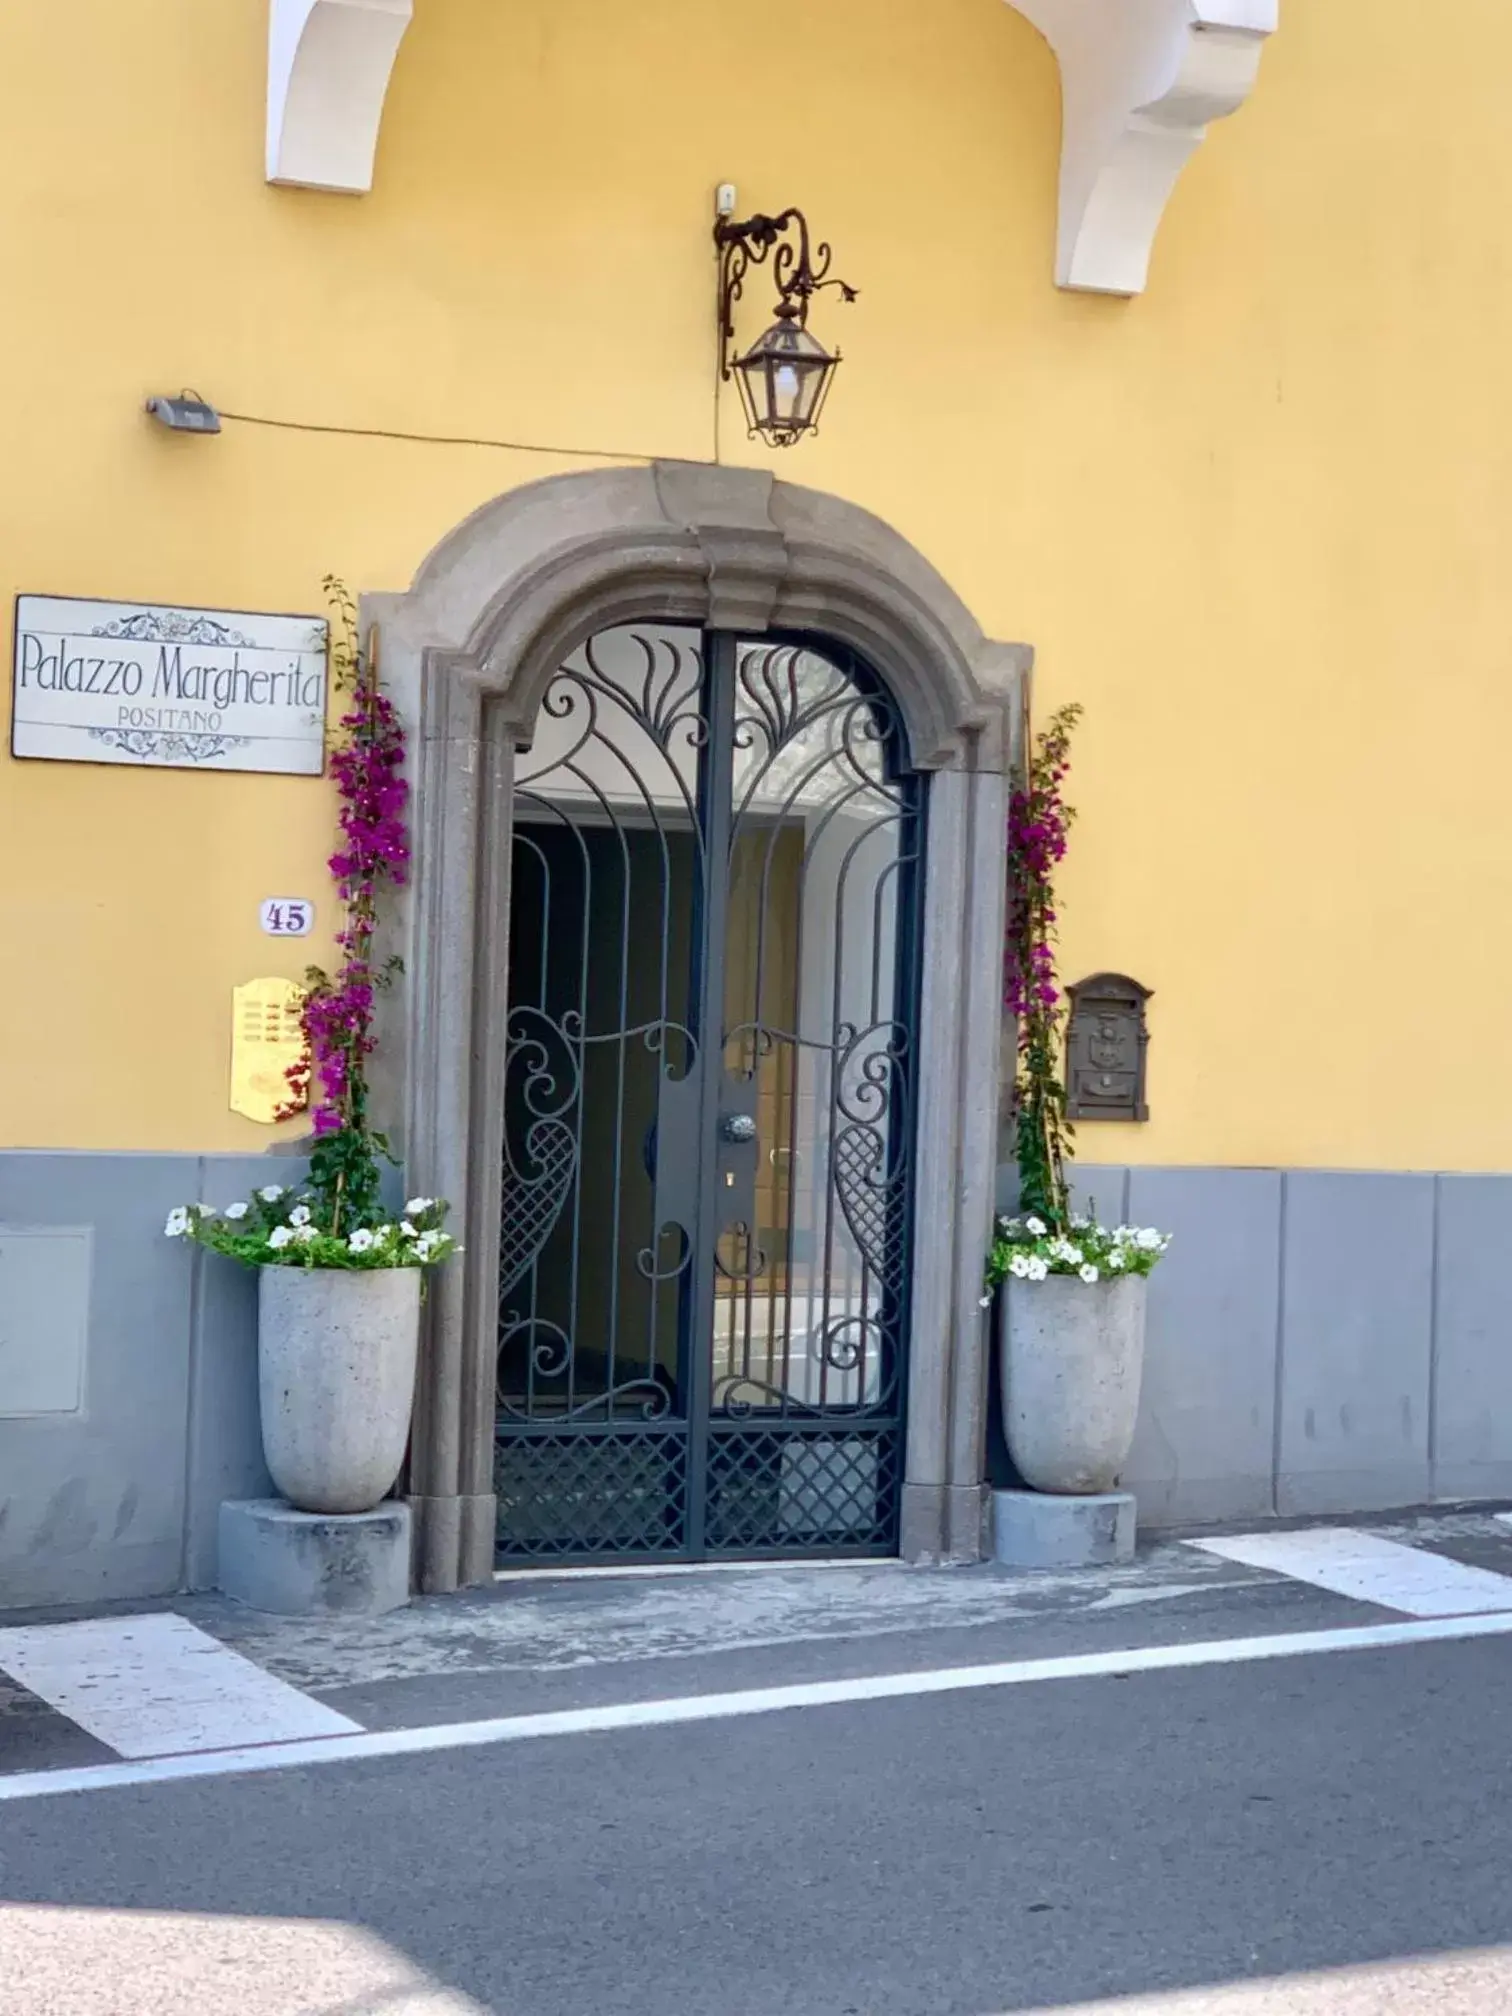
column 731, row 569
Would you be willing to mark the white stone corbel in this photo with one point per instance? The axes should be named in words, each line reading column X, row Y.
column 329, row 65
column 1140, row 80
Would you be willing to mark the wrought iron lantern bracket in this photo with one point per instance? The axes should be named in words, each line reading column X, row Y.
column 785, row 376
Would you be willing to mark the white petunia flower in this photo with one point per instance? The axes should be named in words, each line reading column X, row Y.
column 1148, row 1241
column 305, row 1234
column 300, row 1215
column 1116, row 1259
column 361, row 1241
column 178, row 1224
column 408, row 1230
column 234, row 1211
column 1089, row 1274
column 1019, row 1266
column 1035, row 1227
column 271, row 1194
column 384, row 1232
column 1080, row 1223
column 985, row 1303
column 1038, row 1270
column 280, row 1237
column 416, row 1205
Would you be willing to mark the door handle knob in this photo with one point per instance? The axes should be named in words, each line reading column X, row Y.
column 737, row 1127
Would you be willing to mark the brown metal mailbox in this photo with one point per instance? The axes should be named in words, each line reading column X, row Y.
column 1105, row 1049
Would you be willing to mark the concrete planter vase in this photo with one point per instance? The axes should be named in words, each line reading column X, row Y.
column 336, row 1371
column 1073, row 1355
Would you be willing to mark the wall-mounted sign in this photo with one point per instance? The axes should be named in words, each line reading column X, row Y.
column 183, row 689
column 267, row 1037
column 287, row 917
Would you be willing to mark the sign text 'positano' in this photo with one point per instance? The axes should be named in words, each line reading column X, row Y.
column 185, row 689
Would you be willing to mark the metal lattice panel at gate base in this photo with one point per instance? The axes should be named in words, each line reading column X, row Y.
column 586, row 1494
column 707, row 1211
column 832, row 1493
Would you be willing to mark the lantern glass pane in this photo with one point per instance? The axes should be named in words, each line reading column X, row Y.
column 783, row 379
column 787, row 389
column 751, row 373
column 750, row 376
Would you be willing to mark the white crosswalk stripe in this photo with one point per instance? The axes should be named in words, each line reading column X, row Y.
column 157, row 1686
column 1371, row 1569
column 172, row 1700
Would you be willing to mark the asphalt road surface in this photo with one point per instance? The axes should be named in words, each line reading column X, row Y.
column 1329, row 1832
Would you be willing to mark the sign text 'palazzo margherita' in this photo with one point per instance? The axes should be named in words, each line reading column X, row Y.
column 182, row 689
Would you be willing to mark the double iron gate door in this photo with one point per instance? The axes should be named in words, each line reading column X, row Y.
column 709, row 1108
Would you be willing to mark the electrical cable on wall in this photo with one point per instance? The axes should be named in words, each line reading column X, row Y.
column 438, row 440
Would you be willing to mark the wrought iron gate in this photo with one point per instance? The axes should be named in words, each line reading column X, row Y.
column 708, row 1192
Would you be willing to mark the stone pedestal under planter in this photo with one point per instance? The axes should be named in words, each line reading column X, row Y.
column 1073, row 1355
column 315, row 1564
column 1033, row 1529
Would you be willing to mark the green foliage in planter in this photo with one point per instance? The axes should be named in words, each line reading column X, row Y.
column 1028, row 1249
column 278, row 1227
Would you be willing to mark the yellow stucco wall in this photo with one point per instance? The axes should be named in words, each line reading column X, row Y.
column 1256, row 521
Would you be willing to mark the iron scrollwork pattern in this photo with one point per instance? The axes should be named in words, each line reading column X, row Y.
column 825, row 843
column 608, row 843
column 704, row 1248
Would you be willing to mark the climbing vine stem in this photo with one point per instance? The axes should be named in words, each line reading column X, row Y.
column 1039, row 822
column 367, row 764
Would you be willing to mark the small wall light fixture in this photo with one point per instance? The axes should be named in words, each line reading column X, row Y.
column 785, row 376
column 185, row 414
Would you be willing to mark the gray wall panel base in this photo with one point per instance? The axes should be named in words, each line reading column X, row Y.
column 1279, row 1346
column 308, row 1564
column 1357, row 1340
column 93, row 1500
column 225, row 1450
column 1203, row 1501
column 118, row 1498
column 1032, row 1529
column 1472, row 1332
column 1455, row 1482
column 108, row 1573
column 1289, row 1370
column 945, row 1523
column 1346, row 1491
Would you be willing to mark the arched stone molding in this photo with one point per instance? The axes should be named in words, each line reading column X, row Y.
column 1140, row 80
column 329, row 65
column 469, row 652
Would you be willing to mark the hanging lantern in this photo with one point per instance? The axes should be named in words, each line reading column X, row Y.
column 786, row 375
column 784, row 380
